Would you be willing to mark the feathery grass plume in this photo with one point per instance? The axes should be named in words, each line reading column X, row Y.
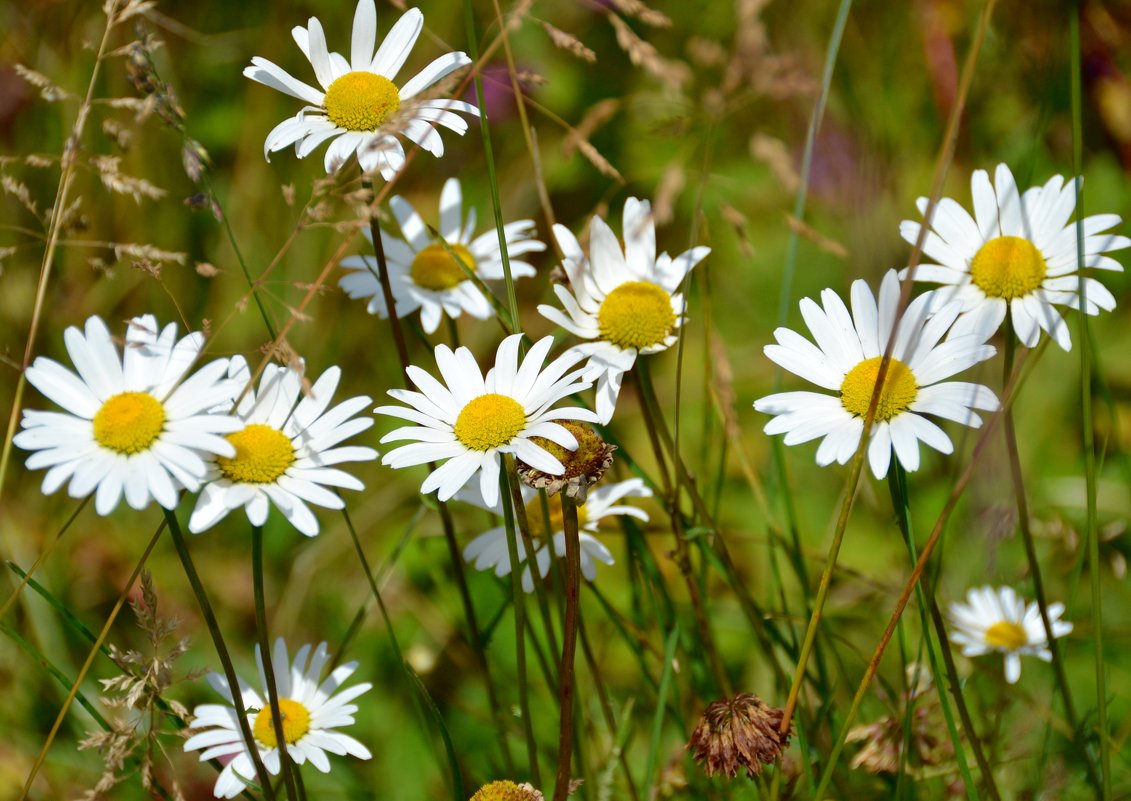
column 738, row 733
column 137, row 697
column 564, row 40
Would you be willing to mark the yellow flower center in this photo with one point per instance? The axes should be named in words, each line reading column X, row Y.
column 898, row 393
column 537, row 520
column 1007, row 635
column 433, row 268
column 1008, row 267
column 129, row 422
column 262, row 455
column 635, row 315
column 489, row 421
column 502, row 791
column 296, row 723
column 361, row 101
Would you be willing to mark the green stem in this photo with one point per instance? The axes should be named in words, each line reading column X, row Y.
column 569, row 644
column 1091, row 533
column 265, row 658
column 928, row 603
column 387, row 287
column 221, row 651
column 1034, row 562
column 508, row 477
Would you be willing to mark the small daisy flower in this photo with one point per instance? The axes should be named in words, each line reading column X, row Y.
column 474, row 419
column 489, row 550
column 1017, row 253
column 998, row 621
column 424, row 275
column 624, row 302
column 359, row 107
column 312, row 711
column 132, row 424
column 285, row 452
column 846, row 360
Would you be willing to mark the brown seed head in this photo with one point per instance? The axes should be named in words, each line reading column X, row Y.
column 507, row 791
column 738, row 733
column 583, row 467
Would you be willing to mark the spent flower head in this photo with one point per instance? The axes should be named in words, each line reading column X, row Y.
column 738, row 733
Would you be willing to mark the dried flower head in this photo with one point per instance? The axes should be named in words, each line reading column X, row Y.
column 583, row 467
column 507, row 791
column 738, row 733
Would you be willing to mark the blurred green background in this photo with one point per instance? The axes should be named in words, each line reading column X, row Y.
column 714, row 134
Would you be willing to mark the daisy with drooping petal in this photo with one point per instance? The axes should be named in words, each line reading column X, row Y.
column 133, row 424
column 624, row 302
column 473, row 419
column 997, row 621
column 489, row 550
column 285, row 453
column 359, row 107
column 312, row 710
column 846, row 360
column 423, row 274
column 1017, row 253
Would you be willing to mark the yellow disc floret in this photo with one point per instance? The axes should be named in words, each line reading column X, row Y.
column 503, row 791
column 262, row 455
column 1008, row 267
column 1006, row 634
column 637, row 314
column 435, row 269
column 898, row 393
column 296, row 723
column 361, row 101
column 129, row 422
column 489, row 421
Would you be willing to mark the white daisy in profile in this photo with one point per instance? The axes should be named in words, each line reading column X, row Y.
column 359, row 107
column 624, row 302
column 425, row 276
column 846, row 360
column 133, row 424
column 1017, row 253
column 312, row 710
column 489, row 550
column 997, row 621
column 473, row 419
column 285, row 453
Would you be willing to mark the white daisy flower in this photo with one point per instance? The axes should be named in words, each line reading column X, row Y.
column 625, row 302
column 359, row 107
column 846, row 360
column 489, row 549
column 132, row 424
column 422, row 273
column 997, row 621
column 474, row 419
column 312, row 711
column 1018, row 252
column 285, row 452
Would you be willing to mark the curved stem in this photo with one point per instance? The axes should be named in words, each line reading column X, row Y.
column 221, row 651
column 265, row 657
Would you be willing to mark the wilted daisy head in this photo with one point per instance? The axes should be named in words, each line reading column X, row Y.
column 999, row 621
column 311, row 710
column 505, row 790
column 1018, row 254
column 284, row 454
column 625, row 302
column 359, row 107
column 475, row 418
column 846, row 360
column 425, row 275
column 133, row 424
column 738, row 733
column 584, row 466
column 489, row 550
